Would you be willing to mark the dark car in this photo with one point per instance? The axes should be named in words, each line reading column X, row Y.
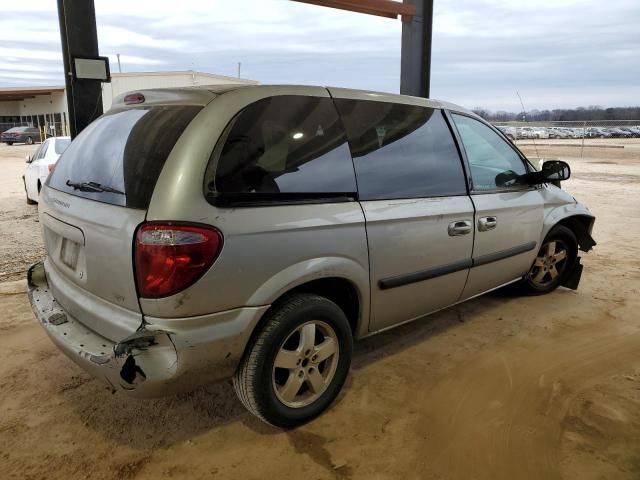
column 619, row 132
column 27, row 135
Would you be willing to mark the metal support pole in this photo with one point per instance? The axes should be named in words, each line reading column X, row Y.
column 79, row 39
column 415, row 68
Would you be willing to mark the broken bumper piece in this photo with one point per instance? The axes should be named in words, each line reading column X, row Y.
column 163, row 356
column 145, row 360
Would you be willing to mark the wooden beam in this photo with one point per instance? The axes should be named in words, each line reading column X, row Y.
column 380, row 8
column 14, row 98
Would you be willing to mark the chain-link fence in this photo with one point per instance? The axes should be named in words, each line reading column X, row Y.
column 602, row 139
column 571, row 130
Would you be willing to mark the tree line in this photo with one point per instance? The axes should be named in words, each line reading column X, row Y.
column 562, row 114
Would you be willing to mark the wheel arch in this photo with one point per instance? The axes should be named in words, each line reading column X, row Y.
column 581, row 225
column 340, row 290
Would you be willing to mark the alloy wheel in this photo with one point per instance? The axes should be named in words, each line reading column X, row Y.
column 305, row 364
column 550, row 263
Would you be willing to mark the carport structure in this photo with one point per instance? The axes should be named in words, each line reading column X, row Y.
column 78, row 33
column 33, row 106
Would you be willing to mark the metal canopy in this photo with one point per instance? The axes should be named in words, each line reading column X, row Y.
column 80, row 40
column 12, row 94
column 417, row 26
column 381, row 8
column 79, row 36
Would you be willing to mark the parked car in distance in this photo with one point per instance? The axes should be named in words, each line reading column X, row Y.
column 556, row 132
column 255, row 232
column 28, row 135
column 510, row 132
column 540, row 132
column 598, row 132
column 635, row 131
column 40, row 164
column 619, row 132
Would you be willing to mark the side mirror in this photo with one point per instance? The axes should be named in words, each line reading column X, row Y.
column 28, row 159
column 555, row 171
column 552, row 171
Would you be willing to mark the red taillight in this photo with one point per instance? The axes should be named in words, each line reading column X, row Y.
column 169, row 258
column 51, row 167
column 133, row 99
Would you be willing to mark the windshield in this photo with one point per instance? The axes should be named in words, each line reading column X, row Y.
column 118, row 158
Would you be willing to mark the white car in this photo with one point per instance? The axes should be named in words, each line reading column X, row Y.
column 40, row 164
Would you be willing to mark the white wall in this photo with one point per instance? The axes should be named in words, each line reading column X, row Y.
column 56, row 102
column 41, row 104
column 9, row 108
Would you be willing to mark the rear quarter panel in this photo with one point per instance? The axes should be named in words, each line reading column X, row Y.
column 267, row 250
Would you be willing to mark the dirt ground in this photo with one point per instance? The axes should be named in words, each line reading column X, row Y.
column 21, row 243
column 500, row 387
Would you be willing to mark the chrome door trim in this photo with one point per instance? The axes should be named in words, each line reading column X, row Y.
column 420, row 276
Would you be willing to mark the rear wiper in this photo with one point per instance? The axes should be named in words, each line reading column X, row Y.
column 92, row 187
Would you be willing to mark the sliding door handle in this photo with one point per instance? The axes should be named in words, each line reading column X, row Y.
column 487, row 223
column 460, row 227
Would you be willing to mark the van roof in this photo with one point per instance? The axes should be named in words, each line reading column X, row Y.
column 203, row 94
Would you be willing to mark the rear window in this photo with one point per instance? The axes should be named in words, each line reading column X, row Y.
column 61, row 145
column 16, row 129
column 284, row 148
column 121, row 153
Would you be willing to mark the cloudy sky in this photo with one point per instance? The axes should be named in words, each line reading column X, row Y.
column 556, row 53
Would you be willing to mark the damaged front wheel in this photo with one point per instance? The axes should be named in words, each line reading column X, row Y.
column 553, row 264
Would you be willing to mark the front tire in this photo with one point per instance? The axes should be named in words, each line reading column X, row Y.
column 29, row 141
column 553, row 264
column 298, row 362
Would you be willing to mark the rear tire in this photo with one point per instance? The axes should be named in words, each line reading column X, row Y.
column 296, row 365
column 553, row 264
column 9, row 143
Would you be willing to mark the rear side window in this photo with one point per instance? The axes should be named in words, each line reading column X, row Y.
column 61, row 144
column 284, row 148
column 118, row 158
column 401, row 151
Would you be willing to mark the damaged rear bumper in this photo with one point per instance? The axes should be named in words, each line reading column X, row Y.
column 163, row 356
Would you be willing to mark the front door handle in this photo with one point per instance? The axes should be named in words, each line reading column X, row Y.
column 460, row 227
column 487, row 223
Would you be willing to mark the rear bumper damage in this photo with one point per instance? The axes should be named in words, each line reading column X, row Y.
column 161, row 357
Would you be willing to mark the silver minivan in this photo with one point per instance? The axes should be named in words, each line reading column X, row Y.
column 254, row 232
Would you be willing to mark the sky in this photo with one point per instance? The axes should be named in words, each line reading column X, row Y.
column 555, row 53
